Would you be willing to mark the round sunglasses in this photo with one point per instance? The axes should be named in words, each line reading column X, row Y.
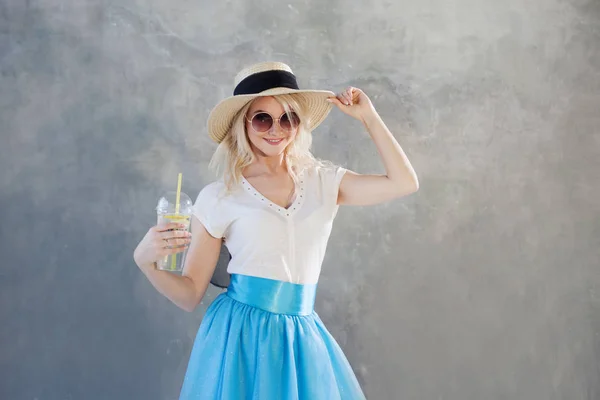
column 263, row 121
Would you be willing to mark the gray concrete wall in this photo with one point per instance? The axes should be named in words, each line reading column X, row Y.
column 484, row 285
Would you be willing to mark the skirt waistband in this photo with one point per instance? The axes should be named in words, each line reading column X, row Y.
column 271, row 295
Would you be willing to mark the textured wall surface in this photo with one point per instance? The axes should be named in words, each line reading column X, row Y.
column 483, row 285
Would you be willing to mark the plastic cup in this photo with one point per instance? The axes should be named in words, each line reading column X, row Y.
column 168, row 211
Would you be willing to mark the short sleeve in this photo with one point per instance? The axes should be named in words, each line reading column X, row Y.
column 331, row 178
column 210, row 210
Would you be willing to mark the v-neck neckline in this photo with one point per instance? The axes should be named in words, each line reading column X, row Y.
column 291, row 209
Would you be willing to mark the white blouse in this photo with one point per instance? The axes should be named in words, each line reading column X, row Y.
column 269, row 241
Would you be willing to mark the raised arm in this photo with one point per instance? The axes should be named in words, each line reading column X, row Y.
column 367, row 189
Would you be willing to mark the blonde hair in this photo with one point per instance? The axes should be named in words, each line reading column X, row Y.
column 234, row 153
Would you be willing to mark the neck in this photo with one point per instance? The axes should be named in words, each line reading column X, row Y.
column 270, row 165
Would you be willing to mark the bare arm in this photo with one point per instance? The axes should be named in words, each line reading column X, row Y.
column 400, row 179
column 187, row 290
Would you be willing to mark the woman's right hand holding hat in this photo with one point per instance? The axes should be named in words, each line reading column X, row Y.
column 354, row 102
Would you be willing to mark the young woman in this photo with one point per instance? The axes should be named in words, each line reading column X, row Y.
column 273, row 208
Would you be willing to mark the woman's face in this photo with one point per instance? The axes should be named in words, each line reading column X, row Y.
column 269, row 129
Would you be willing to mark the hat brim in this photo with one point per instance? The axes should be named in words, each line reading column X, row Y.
column 221, row 117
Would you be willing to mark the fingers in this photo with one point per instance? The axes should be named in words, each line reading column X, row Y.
column 348, row 96
column 340, row 100
column 174, row 234
column 162, row 240
column 172, row 242
column 169, row 239
column 335, row 101
column 171, row 234
column 344, row 98
column 168, row 226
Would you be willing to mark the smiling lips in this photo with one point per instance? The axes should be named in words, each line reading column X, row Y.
column 274, row 141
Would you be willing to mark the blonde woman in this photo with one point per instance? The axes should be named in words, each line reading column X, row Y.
column 273, row 208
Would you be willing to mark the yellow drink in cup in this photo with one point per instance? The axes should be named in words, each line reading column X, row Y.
column 174, row 262
column 174, row 207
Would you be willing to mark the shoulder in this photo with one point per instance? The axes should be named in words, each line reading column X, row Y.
column 212, row 192
column 212, row 210
column 325, row 178
column 320, row 168
column 327, row 172
column 213, row 188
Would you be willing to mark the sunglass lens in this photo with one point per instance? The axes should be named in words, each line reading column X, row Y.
column 289, row 121
column 262, row 122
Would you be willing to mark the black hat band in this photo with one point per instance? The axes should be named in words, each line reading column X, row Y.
column 266, row 80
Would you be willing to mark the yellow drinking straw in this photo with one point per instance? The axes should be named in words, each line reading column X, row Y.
column 178, row 195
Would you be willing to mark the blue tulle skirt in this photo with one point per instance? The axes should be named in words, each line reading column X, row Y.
column 262, row 340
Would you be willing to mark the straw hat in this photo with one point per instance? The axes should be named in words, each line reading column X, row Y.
column 266, row 79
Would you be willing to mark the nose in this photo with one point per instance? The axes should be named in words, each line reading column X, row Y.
column 275, row 128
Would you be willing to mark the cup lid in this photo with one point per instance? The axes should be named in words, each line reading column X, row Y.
column 167, row 203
